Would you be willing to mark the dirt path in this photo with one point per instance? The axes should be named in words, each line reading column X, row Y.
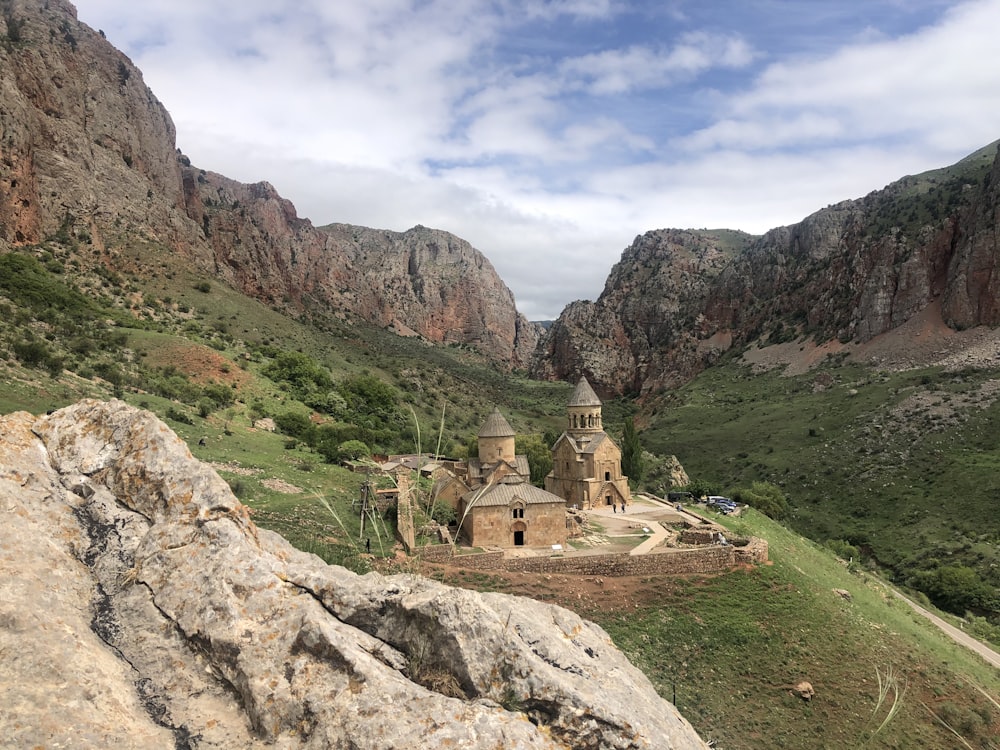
column 954, row 633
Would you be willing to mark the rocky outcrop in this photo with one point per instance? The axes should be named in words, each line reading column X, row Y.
column 650, row 318
column 422, row 282
column 141, row 607
column 848, row 273
column 972, row 294
column 89, row 156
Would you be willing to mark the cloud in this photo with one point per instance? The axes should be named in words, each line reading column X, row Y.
column 916, row 87
column 550, row 132
column 614, row 72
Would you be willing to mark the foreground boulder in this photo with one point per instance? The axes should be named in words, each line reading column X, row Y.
column 140, row 607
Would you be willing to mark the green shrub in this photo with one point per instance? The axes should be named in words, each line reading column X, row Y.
column 299, row 371
column 352, row 449
column 296, row 424
column 31, row 352
column 957, row 588
column 768, row 498
column 178, row 416
column 843, row 549
column 220, row 395
column 443, row 513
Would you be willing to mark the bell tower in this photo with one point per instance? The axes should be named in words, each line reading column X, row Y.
column 584, row 411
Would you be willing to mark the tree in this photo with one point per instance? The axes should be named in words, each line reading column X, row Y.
column 367, row 395
column 700, row 488
column 296, row 425
column 353, row 449
column 632, row 465
column 958, row 589
column 768, row 498
column 300, row 371
column 538, row 454
column 443, row 513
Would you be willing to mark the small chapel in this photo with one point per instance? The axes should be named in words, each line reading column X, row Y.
column 586, row 462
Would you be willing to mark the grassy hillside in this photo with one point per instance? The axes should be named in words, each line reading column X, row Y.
column 853, row 449
column 730, row 648
column 211, row 362
column 903, row 466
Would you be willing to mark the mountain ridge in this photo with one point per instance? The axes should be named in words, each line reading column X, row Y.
column 89, row 152
column 847, row 273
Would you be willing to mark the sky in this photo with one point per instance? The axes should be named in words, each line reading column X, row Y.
column 550, row 133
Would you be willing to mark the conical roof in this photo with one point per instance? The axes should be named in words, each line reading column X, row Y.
column 584, row 395
column 496, row 426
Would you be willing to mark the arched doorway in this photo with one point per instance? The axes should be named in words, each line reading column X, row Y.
column 519, row 528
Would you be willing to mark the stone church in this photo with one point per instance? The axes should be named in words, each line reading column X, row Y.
column 586, row 463
column 500, row 507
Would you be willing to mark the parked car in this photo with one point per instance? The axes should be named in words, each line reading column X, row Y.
column 723, row 504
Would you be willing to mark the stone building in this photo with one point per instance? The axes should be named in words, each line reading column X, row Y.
column 513, row 513
column 586, row 463
column 497, row 504
column 496, row 453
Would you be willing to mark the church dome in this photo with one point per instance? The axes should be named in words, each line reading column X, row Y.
column 496, row 426
column 584, row 395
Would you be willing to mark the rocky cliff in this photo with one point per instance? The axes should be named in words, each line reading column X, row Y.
column 88, row 152
column 650, row 316
column 141, row 607
column 677, row 300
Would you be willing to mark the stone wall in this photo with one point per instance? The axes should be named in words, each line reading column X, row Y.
column 445, row 553
column 699, row 536
column 713, row 558
column 754, row 552
column 435, row 552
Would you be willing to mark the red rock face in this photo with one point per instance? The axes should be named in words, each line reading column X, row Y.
column 972, row 294
column 87, row 148
column 849, row 272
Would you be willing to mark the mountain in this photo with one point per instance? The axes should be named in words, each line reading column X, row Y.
column 90, row 153
column 678, row 300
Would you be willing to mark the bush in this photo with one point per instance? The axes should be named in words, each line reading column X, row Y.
column 31, row 353
column 205, row 407
column 220, row 395
column 443, row 513
column 957, row 589
column 203, row 286
column 352, row 449
column 768, row 498
column 843, row 549
column 178, row 416
column 295, row 424
column 300, row 371
column 54, row 366
column 366, row 394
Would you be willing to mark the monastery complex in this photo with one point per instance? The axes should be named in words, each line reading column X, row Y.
column 496, row 504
